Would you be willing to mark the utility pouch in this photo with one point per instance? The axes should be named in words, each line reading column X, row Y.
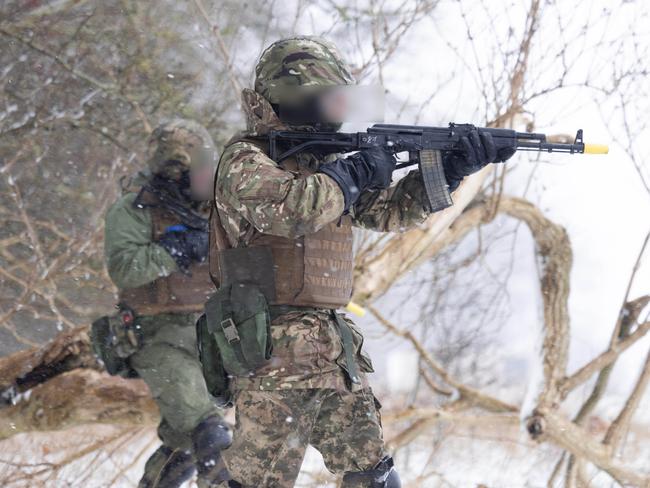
column 114, row 339
column 237, row 317
column 216, row 377
column 353, row 359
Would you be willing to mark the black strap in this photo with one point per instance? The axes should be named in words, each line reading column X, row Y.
column 277, row 310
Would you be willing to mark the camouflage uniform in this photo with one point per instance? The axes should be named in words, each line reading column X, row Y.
column 142, row 269
column 303, row 396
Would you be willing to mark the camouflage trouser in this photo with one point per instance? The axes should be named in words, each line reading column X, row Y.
column 274, row 428
column 168, row 363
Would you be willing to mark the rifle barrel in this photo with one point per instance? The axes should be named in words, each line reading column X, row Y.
column 550, row 147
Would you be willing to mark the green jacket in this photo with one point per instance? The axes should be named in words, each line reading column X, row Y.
column 132, row 259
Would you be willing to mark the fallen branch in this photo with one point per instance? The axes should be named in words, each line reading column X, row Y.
column 552, row 426
column 78, row 397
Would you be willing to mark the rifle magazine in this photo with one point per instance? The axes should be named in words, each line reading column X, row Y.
column 435, row 183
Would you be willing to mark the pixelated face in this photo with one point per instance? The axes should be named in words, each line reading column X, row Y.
column 352, row 103
column 202, row 181
column 333, row 105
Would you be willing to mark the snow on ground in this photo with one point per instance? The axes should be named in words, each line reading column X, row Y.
column 497, row 456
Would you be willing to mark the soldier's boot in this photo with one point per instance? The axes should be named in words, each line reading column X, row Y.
column 167, row 468
column 383, row 475
column 209, row 438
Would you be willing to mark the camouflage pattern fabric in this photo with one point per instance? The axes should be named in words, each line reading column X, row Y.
column 177, row 145
column 260, row 117
column 392, row 210
column 302, row 396
column 256, row 195
column 299, row 62
column 274, row 428
column 307, row 353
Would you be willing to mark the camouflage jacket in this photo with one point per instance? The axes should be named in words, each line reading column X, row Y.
column 255, row 194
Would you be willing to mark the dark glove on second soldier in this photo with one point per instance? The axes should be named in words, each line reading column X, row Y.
column 366, row 170
column 478, row 150
column 185, row 245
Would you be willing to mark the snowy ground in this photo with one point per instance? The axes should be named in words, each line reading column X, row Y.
column 496, row 456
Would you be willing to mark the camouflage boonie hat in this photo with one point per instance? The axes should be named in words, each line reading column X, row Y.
column 178, row 145
column 299, row 61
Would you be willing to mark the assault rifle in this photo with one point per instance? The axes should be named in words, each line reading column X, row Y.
column 421, row 143
column 169, row 202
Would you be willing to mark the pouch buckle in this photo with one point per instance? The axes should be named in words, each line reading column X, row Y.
column 230, row 330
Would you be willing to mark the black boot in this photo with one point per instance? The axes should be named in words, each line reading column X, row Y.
column 383, row 475
column 167, row 468
column 209, row 438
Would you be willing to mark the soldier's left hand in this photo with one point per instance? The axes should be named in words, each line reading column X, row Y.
column 478, row 150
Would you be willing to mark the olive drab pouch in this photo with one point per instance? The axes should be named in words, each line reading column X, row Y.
column 114, row 339
column 237, row 317
column 353, row 358
column 216, row 377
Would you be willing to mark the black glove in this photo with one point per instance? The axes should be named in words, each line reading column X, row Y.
column 185, row 245
column 478, row 150
column 366, row 170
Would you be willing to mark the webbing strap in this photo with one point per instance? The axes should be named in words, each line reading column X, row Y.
column 276, row 311
column 230, row 331
column 348, row 347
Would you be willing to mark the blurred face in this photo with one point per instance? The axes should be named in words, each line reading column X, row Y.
column 351, row 103
column 202, row 181
column 334, row 106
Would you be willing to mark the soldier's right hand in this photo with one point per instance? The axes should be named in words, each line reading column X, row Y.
column 366, row 170
column 381, row 163
column 197, row 242
column 185, row 245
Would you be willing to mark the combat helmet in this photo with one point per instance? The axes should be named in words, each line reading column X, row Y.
column 177, row 145
column 303, row 61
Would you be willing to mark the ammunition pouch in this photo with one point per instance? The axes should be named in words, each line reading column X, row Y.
column 237, row 324
column 114, row 339
column 216, row 377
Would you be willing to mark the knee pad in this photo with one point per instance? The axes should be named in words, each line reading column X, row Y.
column 383, row 475
column 209, row 438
